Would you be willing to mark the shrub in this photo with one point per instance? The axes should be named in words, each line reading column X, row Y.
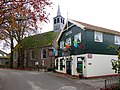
column 50, row 69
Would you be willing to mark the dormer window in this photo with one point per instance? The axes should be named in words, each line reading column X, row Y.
column 98, row 37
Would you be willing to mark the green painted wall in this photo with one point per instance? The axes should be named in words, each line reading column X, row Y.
column 73, row 50
column 88, row 43
column 99, row 47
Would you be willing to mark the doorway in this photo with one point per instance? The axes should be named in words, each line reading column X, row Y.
column 80, row 65
column 68, row 67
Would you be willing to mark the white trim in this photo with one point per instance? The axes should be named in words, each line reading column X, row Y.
column 69, row 27
column 60, row 33
column 118, row 40
column 62, row 44
column 68, row 41
column 79, row 37
column 92, row 67
column 97, row 34
column 77, row 24
column 74, row 23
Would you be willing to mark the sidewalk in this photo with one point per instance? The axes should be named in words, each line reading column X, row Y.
column 70, row 77
column 84, row 86
column 96, row 83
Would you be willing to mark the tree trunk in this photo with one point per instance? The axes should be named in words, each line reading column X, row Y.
column 20, row 57
column 11, row 55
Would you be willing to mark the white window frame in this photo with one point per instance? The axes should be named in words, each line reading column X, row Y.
column 118, row 40
column 68, row 41
column 100, row 36
column 76, row 37
column 42, row 54
column 62, row 45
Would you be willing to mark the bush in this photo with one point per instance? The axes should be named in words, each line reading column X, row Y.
column 116, row 88
column 50, row 69
column 79, row 70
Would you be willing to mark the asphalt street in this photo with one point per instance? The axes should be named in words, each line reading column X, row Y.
column 32, row 80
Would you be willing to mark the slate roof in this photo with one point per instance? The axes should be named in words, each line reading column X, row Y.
column 40, row 40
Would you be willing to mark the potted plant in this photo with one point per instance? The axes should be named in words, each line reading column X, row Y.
column 80, row 72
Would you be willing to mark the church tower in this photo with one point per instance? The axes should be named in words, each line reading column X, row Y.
column 58, row 21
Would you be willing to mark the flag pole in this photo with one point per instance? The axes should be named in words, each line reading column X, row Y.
column 67, row 20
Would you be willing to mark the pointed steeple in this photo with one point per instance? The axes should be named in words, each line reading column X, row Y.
column 58, row 12
column 58, row 21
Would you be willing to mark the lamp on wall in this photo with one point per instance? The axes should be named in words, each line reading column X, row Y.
column 82, row 58
column 71, row 58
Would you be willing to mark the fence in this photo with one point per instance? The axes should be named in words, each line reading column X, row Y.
column 110, row 83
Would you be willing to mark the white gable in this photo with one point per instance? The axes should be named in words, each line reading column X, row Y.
column 74, row 23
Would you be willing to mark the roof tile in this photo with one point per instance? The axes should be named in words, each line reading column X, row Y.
column 99, row 29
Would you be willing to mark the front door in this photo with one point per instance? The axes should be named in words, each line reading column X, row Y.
column 68, row 67
column 79, row 65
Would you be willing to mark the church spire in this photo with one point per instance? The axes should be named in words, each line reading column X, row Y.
column 58, row 12
column 58, row 21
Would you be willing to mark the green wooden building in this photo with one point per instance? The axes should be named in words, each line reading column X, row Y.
column 83, row 49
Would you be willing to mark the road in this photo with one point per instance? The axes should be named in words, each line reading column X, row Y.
column 31, row 80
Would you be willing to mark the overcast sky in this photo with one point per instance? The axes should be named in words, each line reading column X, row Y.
column 103, row 13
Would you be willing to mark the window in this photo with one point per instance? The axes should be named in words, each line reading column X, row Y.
column 5, row 1
column 98, row 37
column 54, row 21
column 62, row 44
column 77, row 38
column 57, row 20
column 61, row 20
column 57, row 64
column 61, row 64
column 68, row 41
column 79, row 65
column 117, row 40
column 32, row 54
column 43, row 53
